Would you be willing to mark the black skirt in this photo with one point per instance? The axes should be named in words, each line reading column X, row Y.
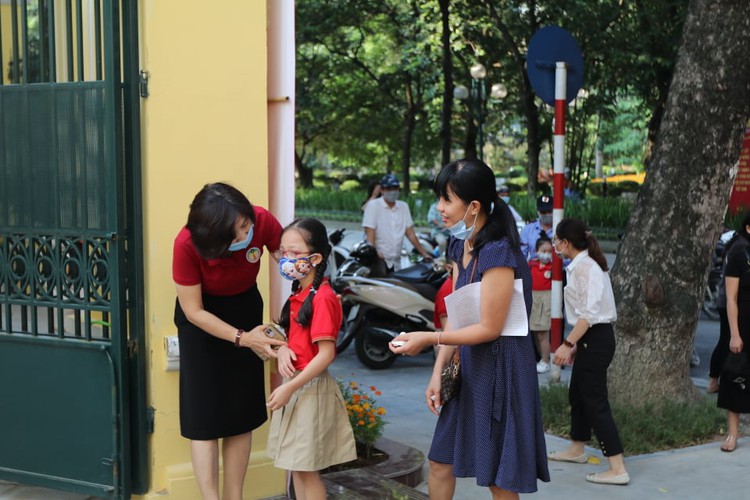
column 731, row 397
column 222, row 388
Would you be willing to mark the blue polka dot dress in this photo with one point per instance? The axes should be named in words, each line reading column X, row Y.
column 492, row 429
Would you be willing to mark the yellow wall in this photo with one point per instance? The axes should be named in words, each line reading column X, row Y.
column 6, row 42
column 204, row 121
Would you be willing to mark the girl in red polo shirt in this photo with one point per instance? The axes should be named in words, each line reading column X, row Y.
column 310, row 428
column 540, row 319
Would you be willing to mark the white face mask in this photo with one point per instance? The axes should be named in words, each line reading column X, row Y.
column 390, row 196
column 544, row 257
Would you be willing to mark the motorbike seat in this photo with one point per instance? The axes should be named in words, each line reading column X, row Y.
column 418, row 273
column 424, row 289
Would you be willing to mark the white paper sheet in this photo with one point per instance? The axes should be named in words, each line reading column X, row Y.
column 463, row 309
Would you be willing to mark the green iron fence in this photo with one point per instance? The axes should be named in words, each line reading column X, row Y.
column 71, row 328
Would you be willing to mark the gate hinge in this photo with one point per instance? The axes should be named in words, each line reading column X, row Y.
column 143, row 83
column 150, row 413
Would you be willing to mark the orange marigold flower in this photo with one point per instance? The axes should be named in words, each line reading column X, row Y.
column 372, row 388
column 361, row 422
column 381, row 411
column 378, row 393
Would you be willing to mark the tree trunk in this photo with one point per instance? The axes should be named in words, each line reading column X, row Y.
column 533, row 144
column 662, row 263
column 410, row 123
column 304, row 173
column 447, row 110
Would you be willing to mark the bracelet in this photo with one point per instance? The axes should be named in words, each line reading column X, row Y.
column 568, row 343
column 237, row 337
column 439, row 332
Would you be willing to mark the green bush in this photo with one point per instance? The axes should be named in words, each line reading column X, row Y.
column 606, row 216
column 644, row 429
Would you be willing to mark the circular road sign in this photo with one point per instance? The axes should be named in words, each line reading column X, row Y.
column 548, row 46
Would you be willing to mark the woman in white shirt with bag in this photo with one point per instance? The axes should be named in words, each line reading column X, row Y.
column 590, row 308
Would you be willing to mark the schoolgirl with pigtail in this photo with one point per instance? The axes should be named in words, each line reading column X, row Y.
column 310, row 428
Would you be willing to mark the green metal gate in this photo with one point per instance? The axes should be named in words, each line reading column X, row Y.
column 72, row 381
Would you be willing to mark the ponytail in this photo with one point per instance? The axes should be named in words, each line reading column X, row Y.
column 305, row 312
column 579, row 235
column 595, row 251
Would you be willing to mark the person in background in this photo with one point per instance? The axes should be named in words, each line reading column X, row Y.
column 310, row 427
column 534, row 229
column 219, row 314
column 503, row 192
column 492, row 428
column 440, row 315
column 386, row 221
column 438, row 232
column 737, row 281
column 719, row 354
column 373, row 192
column 540, row 320
column 590, row 309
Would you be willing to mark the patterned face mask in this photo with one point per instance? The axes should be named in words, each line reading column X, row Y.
column 295, row 269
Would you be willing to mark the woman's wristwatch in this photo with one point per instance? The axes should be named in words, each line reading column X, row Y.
column 568, row 343
column 237, row 337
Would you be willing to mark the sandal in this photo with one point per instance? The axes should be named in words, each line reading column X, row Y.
column 729, row 444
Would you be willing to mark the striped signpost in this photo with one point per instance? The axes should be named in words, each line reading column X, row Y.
column 555, row 69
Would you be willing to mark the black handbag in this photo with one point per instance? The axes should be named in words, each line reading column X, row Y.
column 450, row 378
column 737, row 371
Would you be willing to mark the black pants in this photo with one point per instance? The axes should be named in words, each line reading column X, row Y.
column 589, row 404
column 722, row 346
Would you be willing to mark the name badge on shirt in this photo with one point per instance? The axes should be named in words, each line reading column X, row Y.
column 253, row 255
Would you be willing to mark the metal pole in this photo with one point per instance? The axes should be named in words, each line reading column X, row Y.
column 480, row 117
column 558, row 202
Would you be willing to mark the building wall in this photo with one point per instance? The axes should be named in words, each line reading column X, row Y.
column 205, row 120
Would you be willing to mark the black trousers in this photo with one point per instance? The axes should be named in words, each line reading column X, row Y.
column 589, row 403
column 722, row 345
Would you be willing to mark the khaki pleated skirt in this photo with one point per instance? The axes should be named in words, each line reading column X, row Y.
column 540, row 319
column 312, row 431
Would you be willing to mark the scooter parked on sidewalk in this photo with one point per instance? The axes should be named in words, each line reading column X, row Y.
column 377, row 309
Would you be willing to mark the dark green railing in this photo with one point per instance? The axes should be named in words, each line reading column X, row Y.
column 36, row 27
column 55, row 285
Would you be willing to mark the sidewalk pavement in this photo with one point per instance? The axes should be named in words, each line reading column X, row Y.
column 697, row 472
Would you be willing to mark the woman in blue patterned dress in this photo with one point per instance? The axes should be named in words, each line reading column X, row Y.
column 492, row 429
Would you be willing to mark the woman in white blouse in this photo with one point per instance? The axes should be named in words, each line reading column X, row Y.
column 590, row 308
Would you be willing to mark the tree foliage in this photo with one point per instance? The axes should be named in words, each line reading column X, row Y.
column 375, row 79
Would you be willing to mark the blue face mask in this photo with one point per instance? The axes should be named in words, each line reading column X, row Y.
column 241, row 245
column 506, row 199
column 460, row 230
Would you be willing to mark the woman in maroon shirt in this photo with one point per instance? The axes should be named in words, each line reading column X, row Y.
column 218, row 312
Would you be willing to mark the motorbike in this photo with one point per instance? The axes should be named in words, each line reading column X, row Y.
column 362, row 260
column 339, row 252
column 379, row 307
column 714, row 277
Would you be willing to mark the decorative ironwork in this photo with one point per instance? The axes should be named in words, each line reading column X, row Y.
column 55, row 285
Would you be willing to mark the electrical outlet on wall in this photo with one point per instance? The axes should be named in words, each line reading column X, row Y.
column 172, row 347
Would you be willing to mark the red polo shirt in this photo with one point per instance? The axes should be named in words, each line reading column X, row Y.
column 230, row 275
column 325, row 323
column 541, row 275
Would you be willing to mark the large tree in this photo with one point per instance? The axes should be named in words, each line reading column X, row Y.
column 662, row 262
